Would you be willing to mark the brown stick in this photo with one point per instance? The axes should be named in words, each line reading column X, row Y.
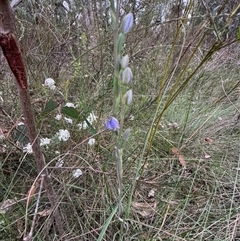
column 11, row 51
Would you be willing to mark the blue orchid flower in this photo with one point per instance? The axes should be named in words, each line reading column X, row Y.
column 112, row 124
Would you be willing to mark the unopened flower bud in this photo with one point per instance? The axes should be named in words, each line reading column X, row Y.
column 127, row 23
column 128, row 97
column 127, row 76
column 124, row 61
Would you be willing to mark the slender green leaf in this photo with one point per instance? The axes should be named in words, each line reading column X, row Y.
column 71, row 112
column 107, row 223
column 50, row 106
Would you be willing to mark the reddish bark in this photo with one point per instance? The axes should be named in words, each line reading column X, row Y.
column 12, row 53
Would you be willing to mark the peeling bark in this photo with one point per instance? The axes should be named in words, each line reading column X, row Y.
column 11, row 51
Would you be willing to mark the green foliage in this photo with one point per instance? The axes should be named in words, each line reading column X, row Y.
column 71, row 112
column 50, row 106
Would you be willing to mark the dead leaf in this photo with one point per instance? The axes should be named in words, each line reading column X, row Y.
column 180, row 157
column 145, row 209
column 45, row 212
column 209, row 140
column 175, row 151
column 181, row 160
column 32, row 191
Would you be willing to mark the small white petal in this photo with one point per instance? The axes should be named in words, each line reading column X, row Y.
column 84, row 125
column 59, row 163
column 91, row 141
column 66, row 6
column 44, row 141
column 28, row 149
column 58, row 117
column 151, row 193
column 91, row 118
column 70, row 105
column 131, row 117
column 77, row 173
column 68, row 120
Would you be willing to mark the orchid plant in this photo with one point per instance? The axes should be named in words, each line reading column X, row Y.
column 123, row 95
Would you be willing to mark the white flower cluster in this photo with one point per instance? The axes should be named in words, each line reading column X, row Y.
column 63, row 135
column 91, row 118
column 43, row 142
column 50, row 83
column 91, row 141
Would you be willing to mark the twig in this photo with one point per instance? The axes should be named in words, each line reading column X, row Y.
column 30, row 235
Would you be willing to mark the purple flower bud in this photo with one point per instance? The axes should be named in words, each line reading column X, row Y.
column 112, row 124
column 127, row 76
column 128, row 97
column 127, row 23
column 124, row 61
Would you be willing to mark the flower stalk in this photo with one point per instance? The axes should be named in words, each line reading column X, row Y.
column 122, row 96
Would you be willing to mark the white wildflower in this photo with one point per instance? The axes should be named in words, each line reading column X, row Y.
column 44, row 141
column 91, row 141
column 58, row 117
column 68, row 120
column 63, row 135
column 83, row 125
column 77, row 173
column 151, row 193
column 28, row 148
column 50, row 83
